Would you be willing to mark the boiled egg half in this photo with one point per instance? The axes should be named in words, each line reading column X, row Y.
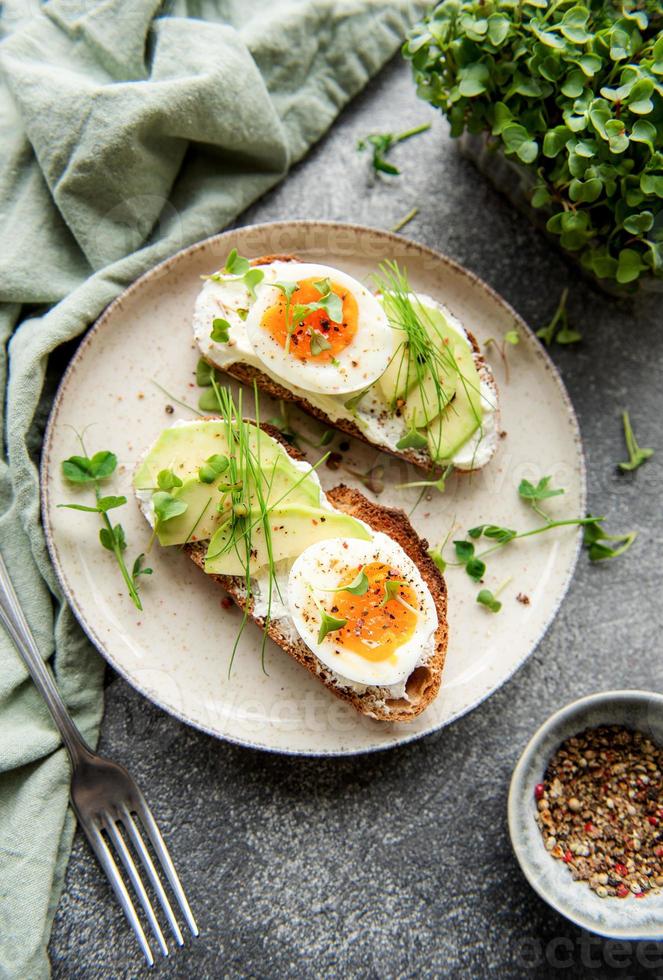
column 363, row 608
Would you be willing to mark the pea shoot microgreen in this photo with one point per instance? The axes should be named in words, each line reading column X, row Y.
column 595, row 541
column 381, row 143
column 636, row 454
column 534, row 494
column 558, row 328
column 319, row 343
column 595, row 536
column 92, row 471
column 166, row 507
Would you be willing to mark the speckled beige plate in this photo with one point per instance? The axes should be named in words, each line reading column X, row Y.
column 177, row 650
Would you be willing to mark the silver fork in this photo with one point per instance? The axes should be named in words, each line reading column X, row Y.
column 104, row 796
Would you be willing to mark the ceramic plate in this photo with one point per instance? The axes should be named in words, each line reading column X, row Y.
column 176, row 652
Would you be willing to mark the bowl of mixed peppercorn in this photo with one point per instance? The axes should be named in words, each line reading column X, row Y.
column 586, row 813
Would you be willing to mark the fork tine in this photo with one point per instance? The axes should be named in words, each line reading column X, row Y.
column 100, row 848
column 155, row 880
column 135, row 879
column 157, row 841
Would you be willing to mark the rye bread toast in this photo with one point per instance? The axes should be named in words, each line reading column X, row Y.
column 423, row 683
column 249, row 375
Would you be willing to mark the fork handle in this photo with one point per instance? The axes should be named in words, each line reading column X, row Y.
column 14, row 621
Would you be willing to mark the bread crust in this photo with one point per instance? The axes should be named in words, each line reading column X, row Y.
column 423, row 684
column 249, row 375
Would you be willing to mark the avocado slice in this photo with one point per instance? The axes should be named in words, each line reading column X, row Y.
column 424, row 399
column 293, row 528
column 201, row 518
column 183, row 449
column 462, row 416
column 427, row 400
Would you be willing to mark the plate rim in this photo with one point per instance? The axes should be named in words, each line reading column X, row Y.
column 162, row 267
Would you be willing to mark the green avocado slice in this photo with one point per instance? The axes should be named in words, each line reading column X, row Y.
column 292, row 527
column 463, row 416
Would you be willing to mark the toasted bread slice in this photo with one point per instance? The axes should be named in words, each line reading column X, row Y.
column 423, row 683
column 250, row 375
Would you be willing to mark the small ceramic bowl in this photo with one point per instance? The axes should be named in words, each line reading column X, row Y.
column 627, row 918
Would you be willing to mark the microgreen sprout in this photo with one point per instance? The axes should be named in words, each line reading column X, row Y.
column 239, row 268
column 440, row 484
column 381, row 143
column 595, row 538
column 489, row 599
column 358, row 586
column 510, row 339
column 558, row 328
column 92, row 471
column 167, row 480
column 213, row 467
column 534, row 494
column 391, row 591
column 413, row 439
column 467, row 557
column 636, row 454
column 329, row 624
column 220, row 330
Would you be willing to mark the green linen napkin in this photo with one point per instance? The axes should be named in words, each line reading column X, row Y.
column 127, row 131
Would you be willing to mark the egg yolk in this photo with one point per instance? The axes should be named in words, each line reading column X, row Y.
column 276, row 319
column 375, row 631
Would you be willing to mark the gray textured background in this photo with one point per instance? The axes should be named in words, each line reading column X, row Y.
column 399, row 864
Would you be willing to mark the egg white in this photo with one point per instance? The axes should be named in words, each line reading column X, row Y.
column 322, row 566
column 358, row 365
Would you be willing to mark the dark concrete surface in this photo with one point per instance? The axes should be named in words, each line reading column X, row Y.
column 399, row 864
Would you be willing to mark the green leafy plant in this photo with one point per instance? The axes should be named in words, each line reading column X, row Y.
column 91, row 471
column 573, row 92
